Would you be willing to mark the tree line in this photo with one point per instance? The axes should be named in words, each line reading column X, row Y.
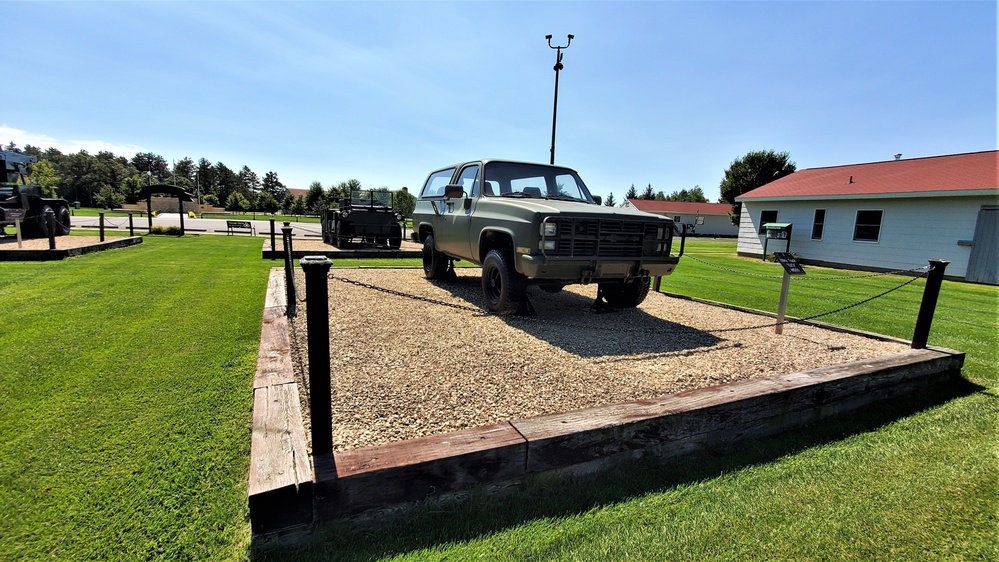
column 108, row 180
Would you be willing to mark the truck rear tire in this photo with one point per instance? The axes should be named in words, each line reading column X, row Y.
column 434, row 263
column 626, row 295
column 338, row 240
column 62, row 221
column 505, row 289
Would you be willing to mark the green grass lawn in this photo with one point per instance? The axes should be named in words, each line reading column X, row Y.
column 125, row 400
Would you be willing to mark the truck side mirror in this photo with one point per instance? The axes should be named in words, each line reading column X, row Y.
column 454, row 191
column 598, row 199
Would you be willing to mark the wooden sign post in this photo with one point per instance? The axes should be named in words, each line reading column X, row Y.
column 18, row 216
column 791, row 267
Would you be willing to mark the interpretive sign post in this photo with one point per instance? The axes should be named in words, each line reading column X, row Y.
column 791, row 267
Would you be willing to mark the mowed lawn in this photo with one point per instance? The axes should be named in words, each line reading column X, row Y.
column 125, row 396
column 125, row 399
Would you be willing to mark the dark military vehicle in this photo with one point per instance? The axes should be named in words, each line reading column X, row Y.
column 25, row 203
column 366, row 216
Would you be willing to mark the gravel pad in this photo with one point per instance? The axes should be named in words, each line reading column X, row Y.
column 403, row 367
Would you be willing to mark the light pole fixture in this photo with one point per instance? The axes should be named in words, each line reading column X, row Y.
column 558, row 67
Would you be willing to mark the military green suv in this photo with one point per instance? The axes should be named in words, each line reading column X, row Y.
column 537, row 224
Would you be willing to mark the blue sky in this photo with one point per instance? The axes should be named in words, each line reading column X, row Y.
column 667, row 93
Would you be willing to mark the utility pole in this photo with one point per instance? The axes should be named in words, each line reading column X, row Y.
column 558, row 67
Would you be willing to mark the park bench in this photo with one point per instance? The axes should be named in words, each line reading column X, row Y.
column 232, row 226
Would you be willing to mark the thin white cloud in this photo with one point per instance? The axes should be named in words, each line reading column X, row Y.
column 23, row 138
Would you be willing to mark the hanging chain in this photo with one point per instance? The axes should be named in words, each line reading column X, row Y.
column 407, row 295
column 806, row 278
column 678, row 329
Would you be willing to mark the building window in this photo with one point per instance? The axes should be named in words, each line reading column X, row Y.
column 817, row 224
column 868, row 226
column 766, row 217
column 676, row 218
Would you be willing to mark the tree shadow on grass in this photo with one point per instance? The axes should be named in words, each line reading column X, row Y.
column 564, row 320
column 431, row 525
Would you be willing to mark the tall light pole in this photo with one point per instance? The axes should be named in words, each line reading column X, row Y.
column 558, row 67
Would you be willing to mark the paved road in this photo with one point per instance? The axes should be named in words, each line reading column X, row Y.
column 200, row 226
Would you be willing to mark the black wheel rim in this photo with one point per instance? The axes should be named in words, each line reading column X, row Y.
column 494, row 285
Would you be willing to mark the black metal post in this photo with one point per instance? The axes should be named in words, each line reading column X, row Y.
column 289, row 271
column 934, row 278
column 49, row 222
column 131, row 225
column 100, row 221
column 180, row 202
column 272, row 238
column 317, row 312
column 557, row 68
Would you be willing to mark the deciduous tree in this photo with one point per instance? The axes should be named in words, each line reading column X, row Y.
column 236, row 202
column 43, row 174
column 151, row 163
column 405, row 203
column 753, row 170
column 314, row 198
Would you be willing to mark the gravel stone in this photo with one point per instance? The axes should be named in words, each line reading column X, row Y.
column 403, row 368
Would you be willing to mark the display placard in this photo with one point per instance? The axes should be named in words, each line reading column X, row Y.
column 790, row 264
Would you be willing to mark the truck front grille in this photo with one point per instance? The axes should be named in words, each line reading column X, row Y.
column 609, row 238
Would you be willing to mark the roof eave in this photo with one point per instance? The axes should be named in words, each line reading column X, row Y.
column 897, row 195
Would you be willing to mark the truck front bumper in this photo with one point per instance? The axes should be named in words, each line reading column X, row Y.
column 576, row 270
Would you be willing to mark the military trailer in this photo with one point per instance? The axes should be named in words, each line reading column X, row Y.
column 25, row 203
column 366, row 217
column 537, row 224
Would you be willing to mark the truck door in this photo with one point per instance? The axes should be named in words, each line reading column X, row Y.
column 453, row 238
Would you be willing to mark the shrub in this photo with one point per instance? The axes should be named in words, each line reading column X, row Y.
column 165, row 230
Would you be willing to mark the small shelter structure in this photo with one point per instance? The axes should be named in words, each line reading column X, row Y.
column 180, row 193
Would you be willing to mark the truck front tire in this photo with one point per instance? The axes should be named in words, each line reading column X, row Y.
column 505, row 289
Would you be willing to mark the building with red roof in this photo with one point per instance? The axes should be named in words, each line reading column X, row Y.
column 702, row 219
column 891, row 215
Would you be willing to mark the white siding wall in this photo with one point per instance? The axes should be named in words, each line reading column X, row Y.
column 913, row 230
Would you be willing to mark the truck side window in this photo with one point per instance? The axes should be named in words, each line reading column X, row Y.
column 469, row 179
column 436, row 182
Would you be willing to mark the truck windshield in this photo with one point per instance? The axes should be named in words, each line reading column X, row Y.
column 370, row 198
column 509, row 179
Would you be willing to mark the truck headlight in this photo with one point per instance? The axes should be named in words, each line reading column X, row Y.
column 549, row 229
column 344, row 214
column 548, row 244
